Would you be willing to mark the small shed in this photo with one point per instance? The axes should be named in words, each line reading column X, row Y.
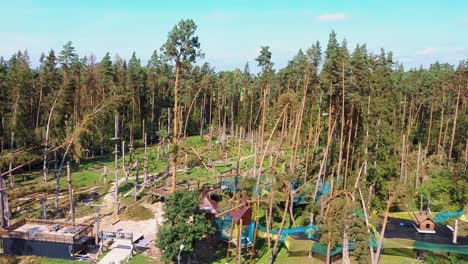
column 423, row 223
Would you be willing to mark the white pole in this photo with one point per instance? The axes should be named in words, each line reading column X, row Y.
column 455, row 232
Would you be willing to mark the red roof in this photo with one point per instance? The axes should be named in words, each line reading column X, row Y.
column 244, row 199
column 210, row 204
column 244, row 213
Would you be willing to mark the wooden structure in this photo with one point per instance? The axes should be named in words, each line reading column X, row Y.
column 4, row 210
column 56, row 239
column 164, row 192
column 208, row 189
column 423, row 223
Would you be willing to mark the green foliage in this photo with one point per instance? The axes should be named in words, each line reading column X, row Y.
column 182, row 46
column 68, row 56
column 264, row 59
column 446, row 193
column 182, row 224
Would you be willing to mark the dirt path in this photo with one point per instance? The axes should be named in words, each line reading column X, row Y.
column 109, row 222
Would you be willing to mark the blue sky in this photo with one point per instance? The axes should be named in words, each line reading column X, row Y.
column 231, row 32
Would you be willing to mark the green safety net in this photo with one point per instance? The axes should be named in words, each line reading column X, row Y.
column 444, row 216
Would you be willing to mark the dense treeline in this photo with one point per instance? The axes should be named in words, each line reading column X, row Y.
column 340, row 114
column 423, row 104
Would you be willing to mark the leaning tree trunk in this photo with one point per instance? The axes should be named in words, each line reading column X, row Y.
column 439, row 139
column 49, row 120
column 384, row 226
column 455, row 121
column 280, row 231
column 190, row 109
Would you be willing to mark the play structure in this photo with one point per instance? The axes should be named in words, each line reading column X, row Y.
column 420, row 233
column 400, row 234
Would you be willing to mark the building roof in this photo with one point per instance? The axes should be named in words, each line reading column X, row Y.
column 419, row 218
column 244, row 213
column 210, row 204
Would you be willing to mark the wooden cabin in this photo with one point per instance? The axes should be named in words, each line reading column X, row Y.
column 423, row 223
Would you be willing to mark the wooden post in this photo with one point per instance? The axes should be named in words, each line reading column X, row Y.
column 255, row 231
column 145, row 165
column 116, row 137
column 421, row 204
column 96, row 237
column 455, row 232
column 123, row 162
column 4, row 204
column 44, row 209
column 229, row 240
column 236, row 179
column 239, row 244
column 117, row 202
column 428, row 209
column 137, row 176
column 70, row 194
column 104, row 174
column 12, row 177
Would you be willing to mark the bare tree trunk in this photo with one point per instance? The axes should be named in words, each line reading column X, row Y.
column 455, row 120
column 441, row 122
column 418, row 178
column 444, row 140
column 70, row 194
column 346, row 259
column 328, row 257
column 202, row 114
column 428, row 141
column 340, row 152
column 366, row 151
column 190, row 109
column 402, row 167
column 251, row 112
column 350, row 132
column 324, row 160
column 297, row 133
column 266, row 148
column 390, row 201
column 309, row 141
column 280, row 231
column 269, row 215
column 152, row 101
column 175, row 131
column 364, row 209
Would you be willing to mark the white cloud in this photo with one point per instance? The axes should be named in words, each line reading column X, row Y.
column 465, row 21
column 426, row 51
column 330, row 17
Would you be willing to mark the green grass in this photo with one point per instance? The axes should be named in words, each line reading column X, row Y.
column 55, row 261
column 137, row 213
column 33, row 260
column 141, row 259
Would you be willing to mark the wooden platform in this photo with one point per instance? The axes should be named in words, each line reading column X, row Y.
column 164, row 191
column 47, row 230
